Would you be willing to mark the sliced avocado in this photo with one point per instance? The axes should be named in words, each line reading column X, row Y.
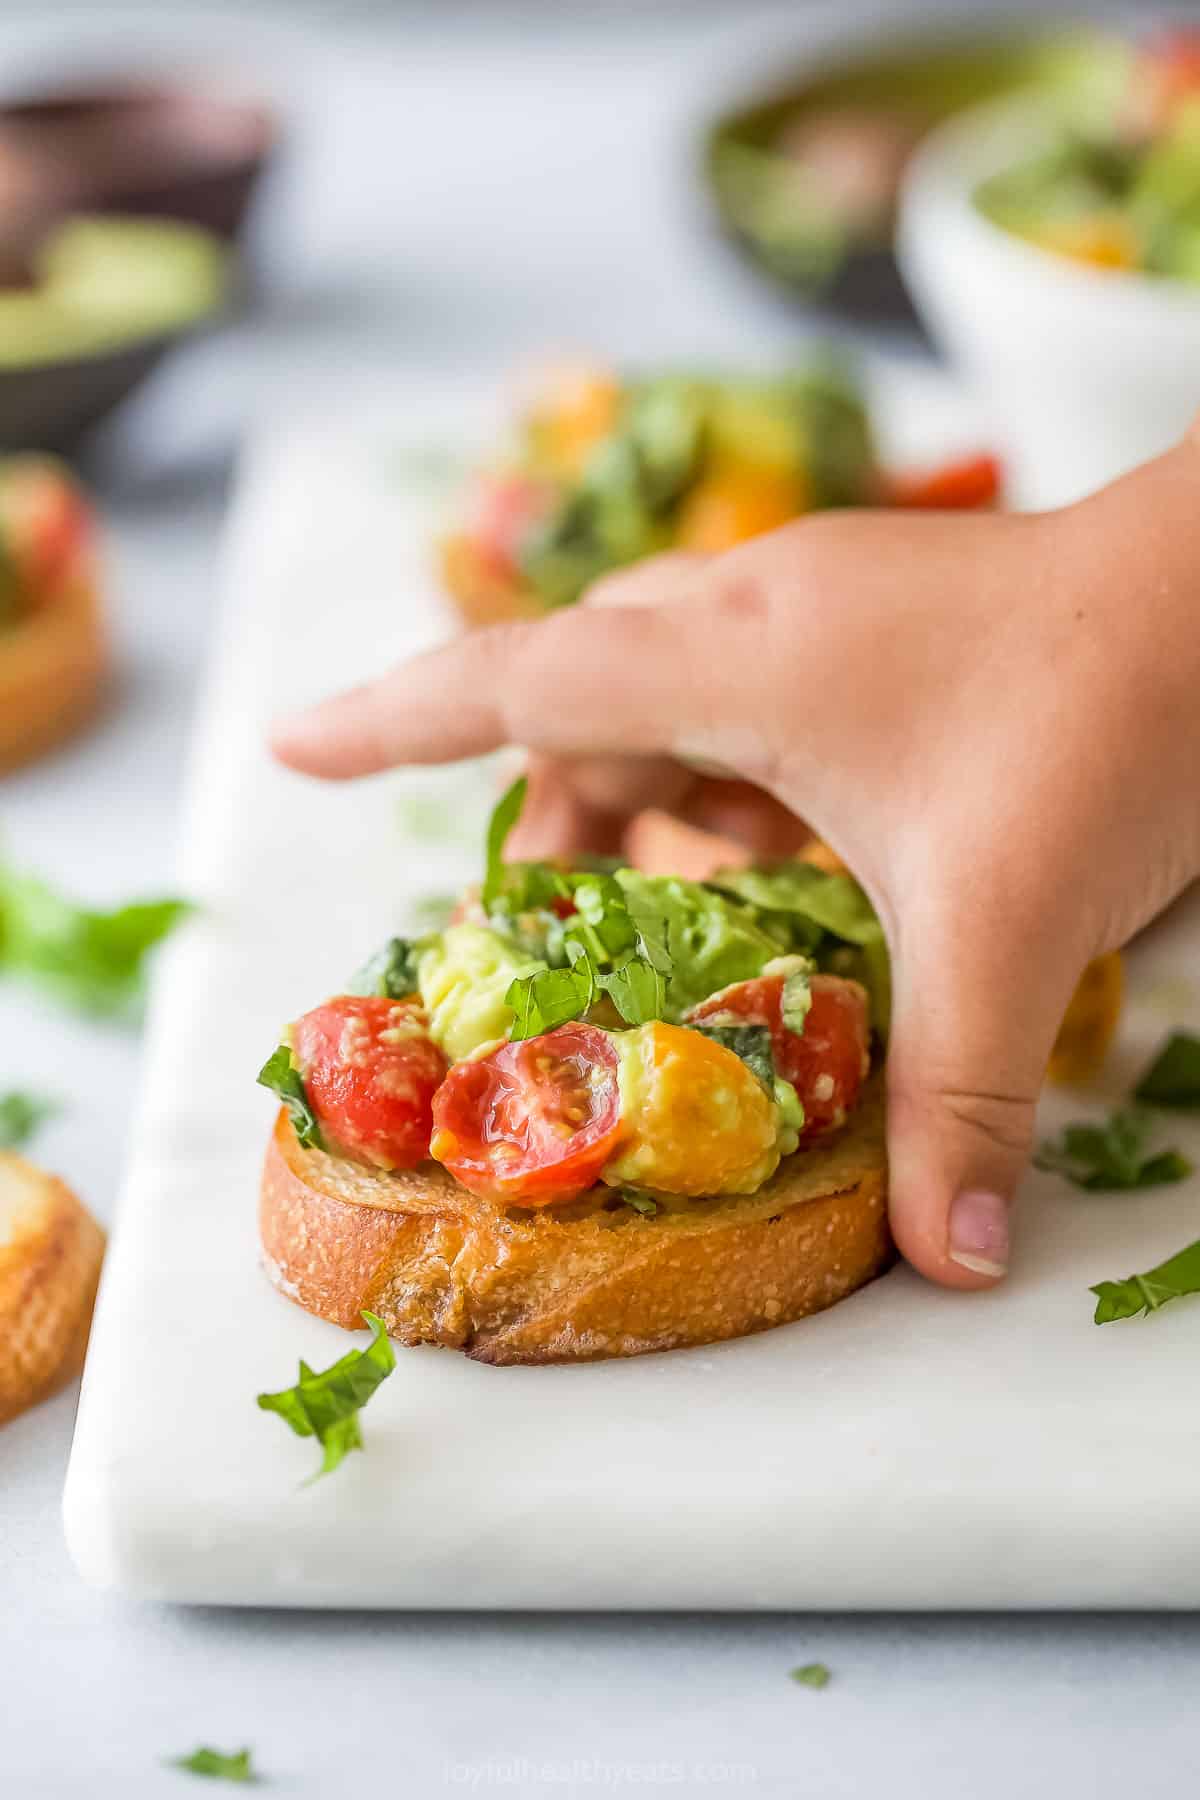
column 98, row 283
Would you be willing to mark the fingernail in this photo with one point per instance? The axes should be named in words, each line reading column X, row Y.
column 979, row 1233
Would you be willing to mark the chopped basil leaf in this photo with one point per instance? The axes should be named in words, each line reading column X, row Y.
column 640, row 1201
column 280, row 1074
column 504, row 816
column 20, row 1116
column 91, row 958
column 234, row 1767
column 1111, row 1156
column 752, row 1043
column 1171, row 1280
column 549, row 998
column 636, row 989
column 1173, row 1078
column 813, row 1675
column 391, row 972
column 326, row 1405
column 700, row 939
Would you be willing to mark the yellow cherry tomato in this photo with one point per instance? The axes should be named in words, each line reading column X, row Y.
column 694, row 1119
column 1091, row 1019
column 735, row 503
column 1103, row 241
column 580, row 409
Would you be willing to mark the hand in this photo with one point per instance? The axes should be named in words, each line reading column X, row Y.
column 992, row 718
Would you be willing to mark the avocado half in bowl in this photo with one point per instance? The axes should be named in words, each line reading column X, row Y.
column 806, row 180
column 88, row 313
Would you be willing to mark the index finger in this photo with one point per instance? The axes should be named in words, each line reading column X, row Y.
column 625, row 681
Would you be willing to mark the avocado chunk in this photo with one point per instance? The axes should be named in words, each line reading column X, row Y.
column 99, row 283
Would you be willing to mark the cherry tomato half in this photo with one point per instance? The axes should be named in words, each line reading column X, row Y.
column 370, row 1070
column 827, row 1062
column 533, row 1123
column 45, row 523
column 507, row 508
column 969, row 481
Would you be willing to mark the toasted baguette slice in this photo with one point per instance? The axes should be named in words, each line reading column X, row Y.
column 579, row 1282
column 50, row 1254
column 52, row 667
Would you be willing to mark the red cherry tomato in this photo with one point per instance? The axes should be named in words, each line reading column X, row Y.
column 827, row 1062
column 969, row 481
column 370, row 1070
column 45, row 523
column 534, row 1122
column 506, row 510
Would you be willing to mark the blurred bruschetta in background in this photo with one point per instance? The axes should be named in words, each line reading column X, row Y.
column 53, row 652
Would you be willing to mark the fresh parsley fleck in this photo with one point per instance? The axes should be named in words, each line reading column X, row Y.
column 20, row 1116
column 812, row 1675
column 1173, row 1078
column 391, row 972
column 90, row 958
column 234, row 1767
column 326, row 1404
column 280, row 1074
column 1111, row 1156
column 1171, row 1280
column 752, row 1043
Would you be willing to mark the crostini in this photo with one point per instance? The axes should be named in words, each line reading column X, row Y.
column 601, row 1113
column 53, row 654
column 50, row 1254
column 604, row 472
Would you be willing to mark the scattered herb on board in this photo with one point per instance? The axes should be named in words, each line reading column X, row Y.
column 92, row 959
column 1173, row 1078
column 325, row 1404
column 20, row 1116
column 234, row 1767
column 1112, row 1156
column 812, row 1675
column 1171, row 1280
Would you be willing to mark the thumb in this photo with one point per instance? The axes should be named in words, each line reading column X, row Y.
column 973, row 1026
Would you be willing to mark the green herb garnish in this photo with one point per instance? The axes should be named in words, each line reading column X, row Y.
column 234, row 1767
column 504, row 816
column 391, row 972
column 1171, row 1280
column 20, row 1116
column 813, row 1675
column 640, row 1201
column 1173, row 1078
column 326, row 1405
column 90, row 958
column 280, row 1074
column 1111, row 1156
column 752, row 1043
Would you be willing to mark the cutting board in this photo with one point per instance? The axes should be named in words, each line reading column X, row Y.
column 912, row 1448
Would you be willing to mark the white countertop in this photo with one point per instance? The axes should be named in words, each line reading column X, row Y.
column 397, row 248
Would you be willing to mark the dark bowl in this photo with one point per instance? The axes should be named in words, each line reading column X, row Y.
column 147, row 151
column 171, row 152
column 922, row 81
column 50, row 406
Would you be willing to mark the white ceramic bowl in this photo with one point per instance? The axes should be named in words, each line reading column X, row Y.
column 1083, row 372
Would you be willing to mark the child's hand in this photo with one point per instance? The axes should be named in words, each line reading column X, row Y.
column 995, row 720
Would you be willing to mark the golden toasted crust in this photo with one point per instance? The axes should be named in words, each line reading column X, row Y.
column 50, row 1254
column 482, row 596
column 52, row 667
column 573, row 1283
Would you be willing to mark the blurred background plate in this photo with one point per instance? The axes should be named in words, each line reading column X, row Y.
column 805, row 179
